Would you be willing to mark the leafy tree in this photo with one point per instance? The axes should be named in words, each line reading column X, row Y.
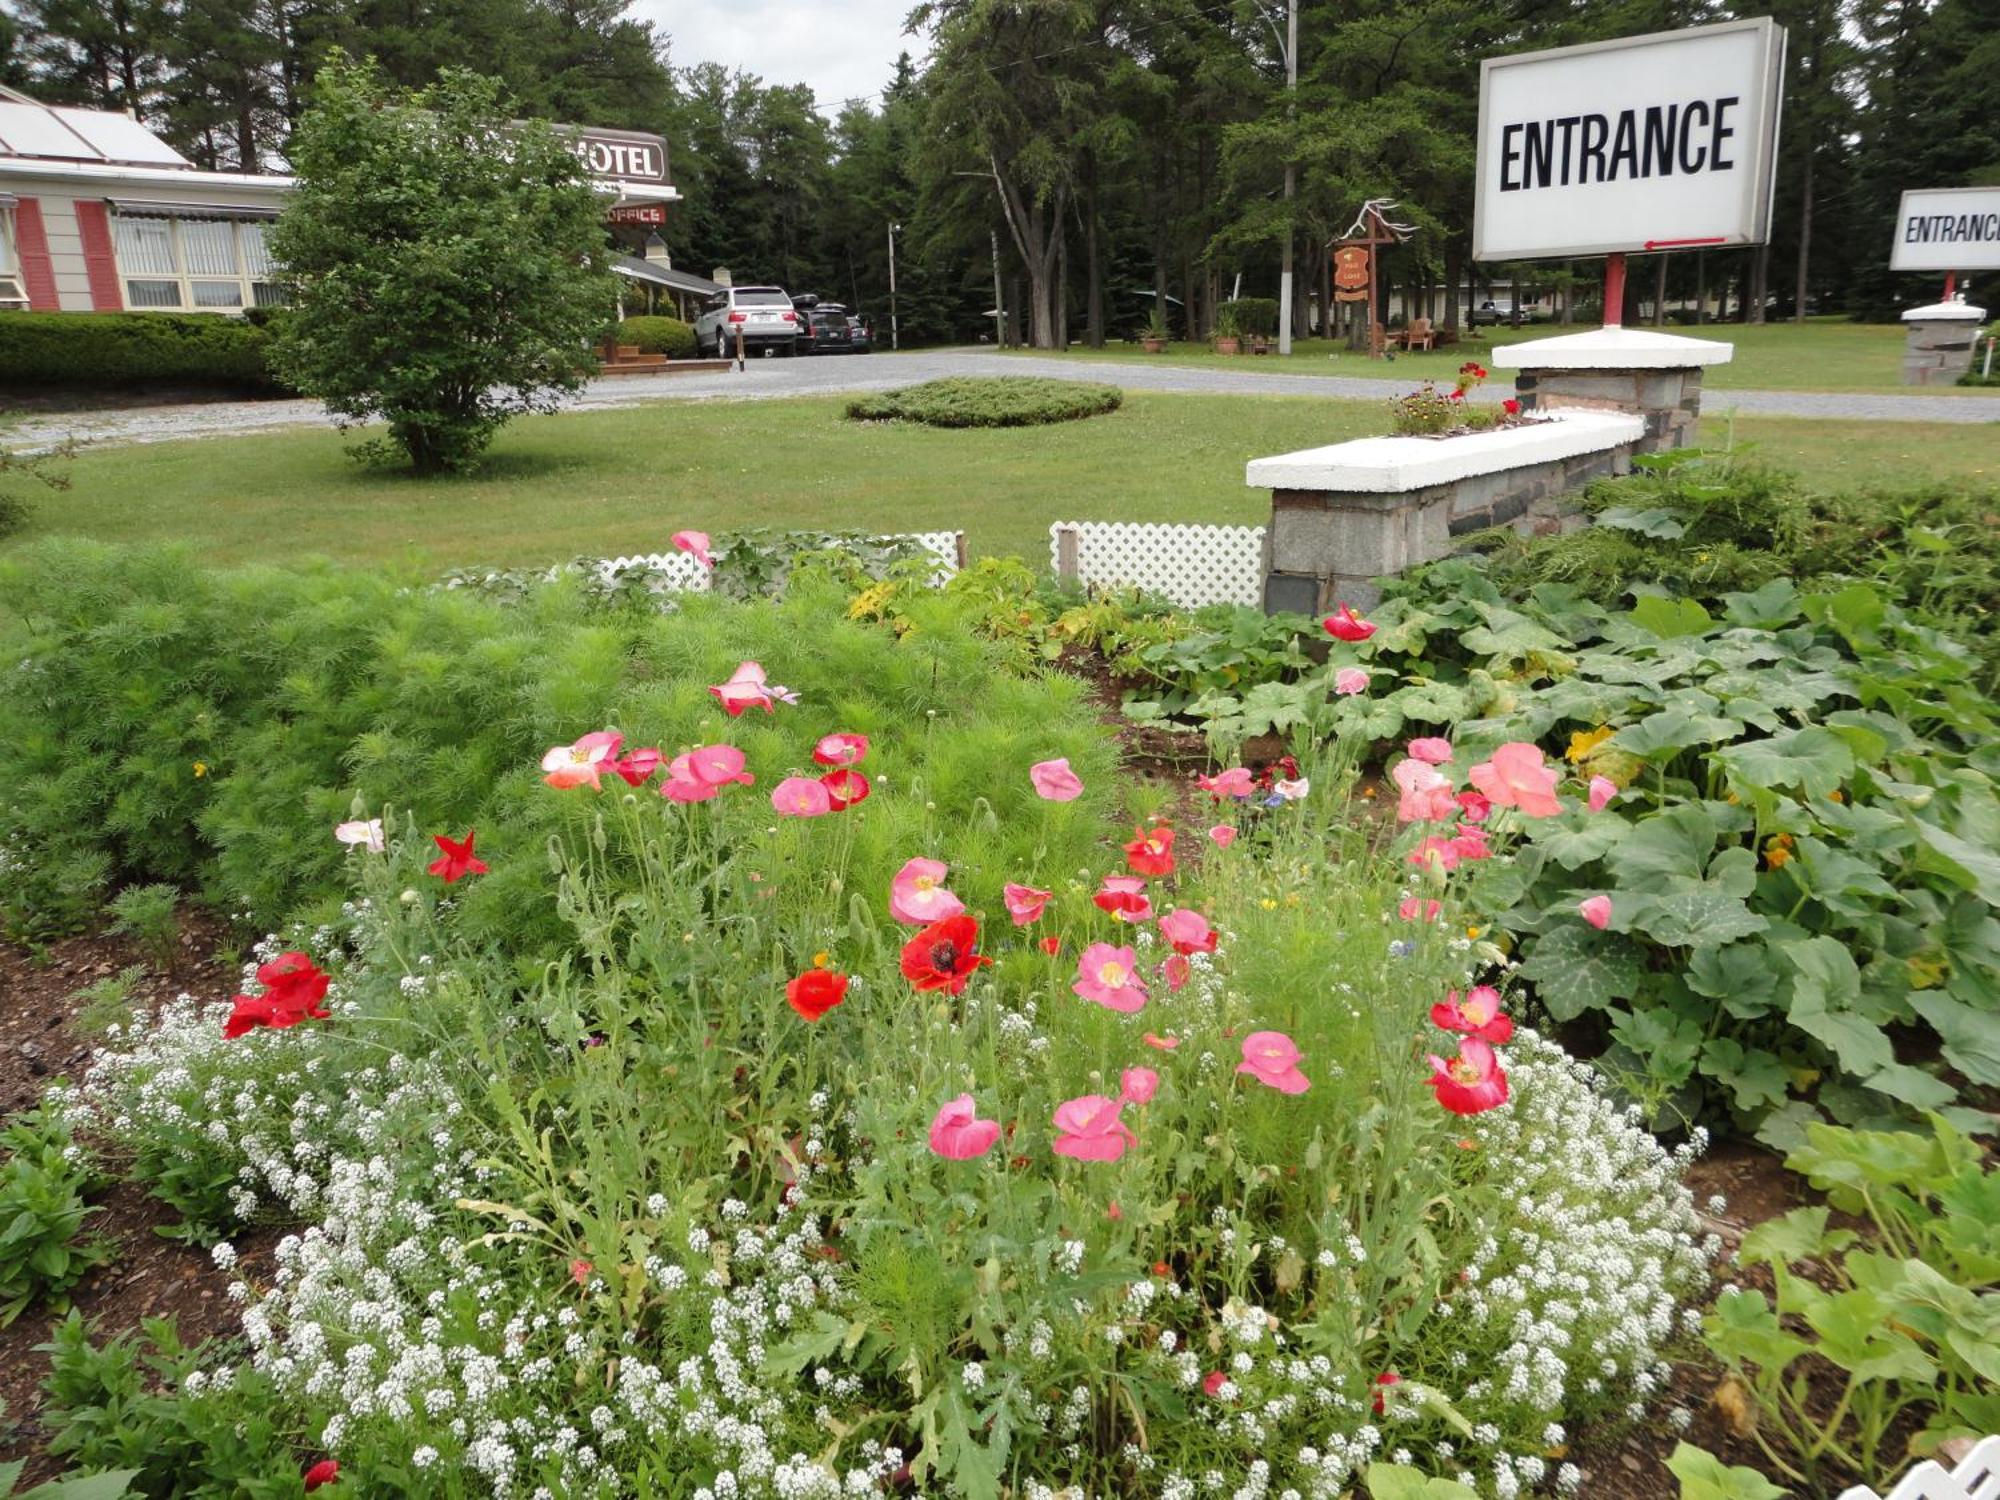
column 446, row 266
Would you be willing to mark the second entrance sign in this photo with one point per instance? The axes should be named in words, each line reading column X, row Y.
column 1652, row 142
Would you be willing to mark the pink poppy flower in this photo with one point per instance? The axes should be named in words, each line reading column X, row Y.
column 747, row 689
column 1431, row 749
column 1213, row 1382
column 701, row 773
column 841, row 749
column 1055, row 781
column 1602, row 790
column 1473, row 807
column 1472, row 1082
column 1161, row 1043
column 917, row 895
column 1222, row 835
column 1188, row 931
column 1294, row 790
column 1235, row 782
column 582, row 763
column 1138, row 1085
column 958, row 1134
column 1110, row 977
column 1435, row 854
column 1024, row 902
column 367, row 832
column 798, row 797
column 694, row 543
column 1412, row 909
column 1478, row 1014
column 1176, row 970
column 1517, row 777
column 1272, row 1058
column 1349, row 681
column 638, row 767
column 1470, row 843
column 1124, row 896
column 1426, row 792
column 1345, row 625
column 1088, row 1129
column 1596, row 910
column 579, row 1272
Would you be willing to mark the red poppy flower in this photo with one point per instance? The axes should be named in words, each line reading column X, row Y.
column 1345, row 625
column 457, row 861
column 1213, row 1382
column 1124, row 896
column 326, row 1471
column 579, row 1272
column 1051, row 945
column 1151, row 853
column 944, row 955
column 844, row 788
column 1472, row 1082
column 1382, row 1382
column 816, row 992
column 1511, row 407
column 294, row 990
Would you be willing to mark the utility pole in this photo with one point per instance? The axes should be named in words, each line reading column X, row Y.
column 999, row 302
column 895, row 338
column 1291, row 175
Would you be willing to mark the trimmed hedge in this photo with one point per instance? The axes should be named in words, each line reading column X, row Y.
column 995, row 401
column 659, row 335
column 133, row 348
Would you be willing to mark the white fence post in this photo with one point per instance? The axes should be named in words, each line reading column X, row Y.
column 1977, row 1477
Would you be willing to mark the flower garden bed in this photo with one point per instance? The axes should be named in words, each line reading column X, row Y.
column 769, row 1047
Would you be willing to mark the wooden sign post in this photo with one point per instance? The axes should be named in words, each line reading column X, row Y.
column 1355, row 265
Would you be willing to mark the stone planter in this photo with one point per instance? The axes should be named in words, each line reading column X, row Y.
column 1657, row 375
column 1345, row 515
column 1228, row 344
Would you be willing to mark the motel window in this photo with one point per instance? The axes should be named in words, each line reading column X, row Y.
column 188, row 261
column 12, row 293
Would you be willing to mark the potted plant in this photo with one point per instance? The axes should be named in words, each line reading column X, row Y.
column 1153, row 337
column 1228, row 330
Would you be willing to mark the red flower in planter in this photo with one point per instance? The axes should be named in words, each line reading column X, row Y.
column 457, row 861
column 816, row 992
column 1511, row 407
column 945, row 955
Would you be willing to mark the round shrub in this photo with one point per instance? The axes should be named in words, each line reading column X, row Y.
column 996, row 401
column 658, row 335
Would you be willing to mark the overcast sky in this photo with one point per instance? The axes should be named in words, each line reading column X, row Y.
column 843, row 48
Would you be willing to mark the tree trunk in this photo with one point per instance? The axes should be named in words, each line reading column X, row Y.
column 1328, row 328
column 1093, row 270
column 1454, row 272
column 1030, row 224
column 246, row 139
column 1760, row 285
column 1701, row 286
column 1060, row 311
column 1659, row 291
column 1805, row 241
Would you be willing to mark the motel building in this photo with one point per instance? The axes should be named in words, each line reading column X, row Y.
column 98, row 214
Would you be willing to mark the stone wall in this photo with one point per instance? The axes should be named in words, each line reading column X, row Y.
column 1328, row 546
column 1938, row 350
column 1668, row 399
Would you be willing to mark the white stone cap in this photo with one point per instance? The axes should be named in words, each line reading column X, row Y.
column 1393, row 465
column 1954, row 311
column 1614, row 349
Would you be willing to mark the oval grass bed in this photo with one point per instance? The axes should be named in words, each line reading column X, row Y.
column 991, row 401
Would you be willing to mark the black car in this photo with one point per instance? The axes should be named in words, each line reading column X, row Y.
column 859, row 339
column 830, row 331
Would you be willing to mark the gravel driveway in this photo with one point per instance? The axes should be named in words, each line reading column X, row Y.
column 826, row 375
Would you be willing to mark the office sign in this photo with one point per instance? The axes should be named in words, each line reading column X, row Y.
column 1947, row 229
column 652, row 215
column 619, row 155
column 1659, row 142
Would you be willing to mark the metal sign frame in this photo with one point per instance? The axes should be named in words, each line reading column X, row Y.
column 1761, row 182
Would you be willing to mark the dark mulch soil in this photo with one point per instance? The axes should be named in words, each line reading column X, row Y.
column 148, row 1276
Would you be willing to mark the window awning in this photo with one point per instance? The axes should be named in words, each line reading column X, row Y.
column 151, row 208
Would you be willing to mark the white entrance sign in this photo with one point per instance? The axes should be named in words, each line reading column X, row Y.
column 1947, row 229
column 1649, row 143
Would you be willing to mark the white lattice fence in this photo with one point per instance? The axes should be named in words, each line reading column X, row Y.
column 679, row 573
column 1191, row 565
column 1976, row 1477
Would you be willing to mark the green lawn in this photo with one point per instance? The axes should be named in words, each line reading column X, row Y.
column 612, row 482
column 1825, row 354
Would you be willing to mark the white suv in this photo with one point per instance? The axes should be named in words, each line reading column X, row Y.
column 763, row 314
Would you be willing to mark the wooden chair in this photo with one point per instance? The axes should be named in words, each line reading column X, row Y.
column 1418, row 335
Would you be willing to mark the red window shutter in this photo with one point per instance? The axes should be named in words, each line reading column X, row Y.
column 100, row 261
column 38, row 272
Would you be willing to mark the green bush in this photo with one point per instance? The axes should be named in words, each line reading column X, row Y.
column 1256, row 317
column 998, row 401
column 103, row 350
column 43, row 1179
column 658, row 335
